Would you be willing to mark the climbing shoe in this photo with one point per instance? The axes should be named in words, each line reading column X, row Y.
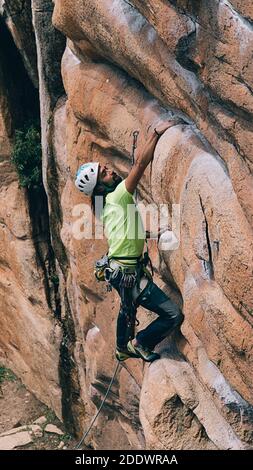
column 143, row 352
column 124, row 354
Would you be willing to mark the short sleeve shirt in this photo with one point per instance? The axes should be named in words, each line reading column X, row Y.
column 122, row 224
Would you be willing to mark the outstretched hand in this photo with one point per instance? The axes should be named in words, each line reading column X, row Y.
column 145, row 157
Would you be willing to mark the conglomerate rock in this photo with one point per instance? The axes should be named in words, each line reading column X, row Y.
column 127, row 65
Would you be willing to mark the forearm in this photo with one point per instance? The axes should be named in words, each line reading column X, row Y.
column 145, row 157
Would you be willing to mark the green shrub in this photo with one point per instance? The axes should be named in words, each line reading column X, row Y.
column 66, row 438
column 6, row 374
column 26, row 156
column 54, row 279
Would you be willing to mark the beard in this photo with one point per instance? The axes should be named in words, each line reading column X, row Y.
column 116, row 179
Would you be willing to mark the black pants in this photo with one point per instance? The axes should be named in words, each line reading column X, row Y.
column 151, row 298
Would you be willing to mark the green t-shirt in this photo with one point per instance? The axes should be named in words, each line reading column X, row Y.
column 122, row 223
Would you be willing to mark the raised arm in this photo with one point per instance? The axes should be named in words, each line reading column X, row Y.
column 146, row 156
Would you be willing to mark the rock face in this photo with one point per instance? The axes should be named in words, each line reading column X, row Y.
column 30, row 335
column 126, row 66
column 18, row 17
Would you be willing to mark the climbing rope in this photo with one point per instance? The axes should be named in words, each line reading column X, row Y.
column 102, row 404
column 100, row 408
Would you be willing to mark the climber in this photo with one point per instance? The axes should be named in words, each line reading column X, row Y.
column 126, row 271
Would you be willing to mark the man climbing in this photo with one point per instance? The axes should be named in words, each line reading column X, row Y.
column 127, row 272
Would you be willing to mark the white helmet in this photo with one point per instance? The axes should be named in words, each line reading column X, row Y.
column 86, row 177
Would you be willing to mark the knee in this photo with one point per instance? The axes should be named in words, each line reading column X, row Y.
column 179, row 318
column 173, row 313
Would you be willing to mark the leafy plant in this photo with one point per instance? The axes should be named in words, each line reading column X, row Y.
column 54, row 279
column 6, row 374
column 26, row 155
column 50, row 416
column 66, row 437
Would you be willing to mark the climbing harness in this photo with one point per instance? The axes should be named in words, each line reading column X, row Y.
column 100, row 408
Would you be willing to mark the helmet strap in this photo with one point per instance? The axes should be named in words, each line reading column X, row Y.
column 109, row 189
